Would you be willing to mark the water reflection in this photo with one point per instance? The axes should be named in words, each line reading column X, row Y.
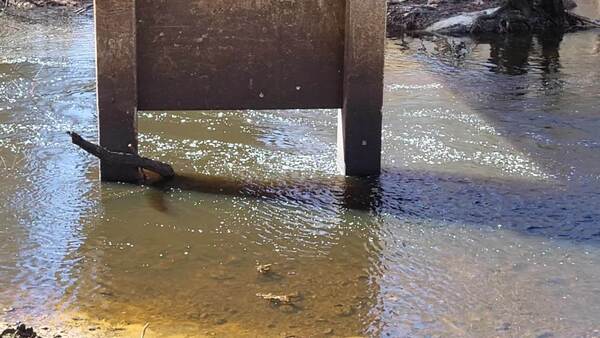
column 510, row 54
column 206, row 249
column 356, row 193
column 371, row 256
column 45, row 191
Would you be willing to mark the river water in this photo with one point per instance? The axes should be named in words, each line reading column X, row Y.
column 485, row 222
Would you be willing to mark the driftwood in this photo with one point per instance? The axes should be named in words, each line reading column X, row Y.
column 279, row 299
column 584, row 20
column 264, row 269
column 127, row 159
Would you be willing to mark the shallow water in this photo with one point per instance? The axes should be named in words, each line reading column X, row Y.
column 485, row 221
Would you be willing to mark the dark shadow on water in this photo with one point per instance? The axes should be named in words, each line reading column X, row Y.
column 532, row 208
column 510, row 54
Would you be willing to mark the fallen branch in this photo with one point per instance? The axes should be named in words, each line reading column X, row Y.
column 278, row 299
column 127, row 159
column 84, row 9
column 584, row 20
column 144, row 330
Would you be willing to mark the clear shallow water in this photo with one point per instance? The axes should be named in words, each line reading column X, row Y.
column 485, row 221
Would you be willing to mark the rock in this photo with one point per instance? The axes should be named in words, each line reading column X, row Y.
column 545, row 335
column 288, row 308
column 342, row 310
column 329, row 331
column 221, row 276
column 21, row 331
column 220, row 321
column 504, row 327
column 362, row 277
column 264, row 269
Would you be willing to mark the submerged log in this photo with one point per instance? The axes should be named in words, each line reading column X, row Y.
column 133, row 160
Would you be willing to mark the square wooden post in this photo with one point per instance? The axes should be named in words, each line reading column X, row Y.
column 116, row 83
column 360, row 122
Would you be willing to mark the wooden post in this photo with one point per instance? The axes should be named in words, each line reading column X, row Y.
column 360, row 122
column 116, row 84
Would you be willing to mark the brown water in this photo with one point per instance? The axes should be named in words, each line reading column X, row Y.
column 485, row 221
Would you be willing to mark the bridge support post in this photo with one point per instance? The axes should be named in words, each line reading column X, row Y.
column 360, row 121
column 116, row 83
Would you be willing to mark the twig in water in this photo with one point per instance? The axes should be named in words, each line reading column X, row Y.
column 16, row 163
column 34, row 81
column 584, row 20
column 163, row 169
column 144, row 330
column 84, row 9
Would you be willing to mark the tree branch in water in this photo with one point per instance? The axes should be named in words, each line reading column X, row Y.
column 163, row 169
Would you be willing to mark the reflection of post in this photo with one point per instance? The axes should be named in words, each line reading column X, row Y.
column 362, row 194
column 360, row 121
column 550, row 51
column 116, row 76
column 510, row 53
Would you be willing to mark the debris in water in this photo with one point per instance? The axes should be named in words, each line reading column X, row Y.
column 278, row 299
column 342, row 310
column 143, row 334
column 220, row 321
column 21, row 331
column 264, row 269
